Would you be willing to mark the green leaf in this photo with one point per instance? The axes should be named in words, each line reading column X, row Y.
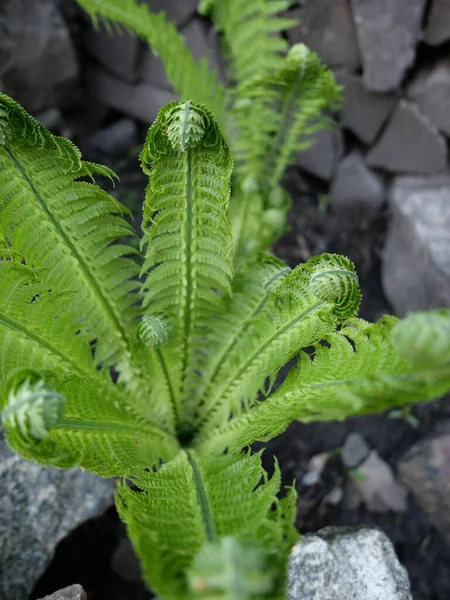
column 360, row 369
column 232, row 569
column 187, row 235
column 68, row 422
column 69, row 233
column 188, row 502
column 303, row 308
column 277, row 114
column 252, row 31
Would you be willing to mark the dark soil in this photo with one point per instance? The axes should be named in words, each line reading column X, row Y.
column 85, row 556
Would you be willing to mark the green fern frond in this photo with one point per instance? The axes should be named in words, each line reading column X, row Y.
column 70, row 231
column 252, row 289
column 32, row 409
column 37, row 325
column 292, row 102
column 232, row 569
column 252, row 30
column 188, row 502
column 187, row 233
column 306, row 305
column 154, row 330
column 277, row 113
column 74, row 422
column 363, row 368
column 197, row 81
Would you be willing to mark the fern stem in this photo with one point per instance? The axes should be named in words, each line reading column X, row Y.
column 112, row 426
column 187, row 314
column 234, row 377
column 202, row 498
column 173, row 401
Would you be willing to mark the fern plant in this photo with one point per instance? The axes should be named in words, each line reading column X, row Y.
column 274, row 103
column 160, row 370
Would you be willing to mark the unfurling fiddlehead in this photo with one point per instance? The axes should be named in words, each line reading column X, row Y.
column 33, row 408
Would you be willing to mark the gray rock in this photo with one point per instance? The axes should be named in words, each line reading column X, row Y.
column 334, row 497
column 51, row 119
column 119, row 53
column 327, row 28
column 346, row 564
column 35, row 72
column 387, row 31
column 354, row 450
column 430, row 90
column 425, row 470
column 178, row 12
column 437, row 30
column 378, row 487
column 314, row 469
column 125, row 562
column 115, row 140
column 323, row 156
column 416, row 259
column 73, row 592
column 141, row 101
column 152, row 72
column 409, row 144
column 356, row 191
column 364, row 112
column 38, row 507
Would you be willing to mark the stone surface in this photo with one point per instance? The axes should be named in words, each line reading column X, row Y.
column 409, row 144
column 354, row 450
column 387, row 31
column 51, row 119
column 38, row 507
column 416, row 259
column 346, row 564
column 356, row 191
column 364, row 112
column 178, row 12
column 119, row 53
column 377, row 486
column 152, row 71
column 36, row 71
column 425, row 470
column 141, row 101
column 73, row 592
column 437, row 30
column 314, row 469
column 115, row 140
column 430, row 90
column 327, row 28
column 323, row 157
column 199, row 38
column 125, row 562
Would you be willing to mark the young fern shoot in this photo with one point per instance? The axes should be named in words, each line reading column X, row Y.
column 274, row 102
column 158, row 369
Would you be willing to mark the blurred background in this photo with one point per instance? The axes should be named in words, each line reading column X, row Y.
column 376, row 188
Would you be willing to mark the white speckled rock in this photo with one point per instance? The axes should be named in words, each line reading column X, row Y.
column 346, row 563
column 38, row 507
column 73, row 592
